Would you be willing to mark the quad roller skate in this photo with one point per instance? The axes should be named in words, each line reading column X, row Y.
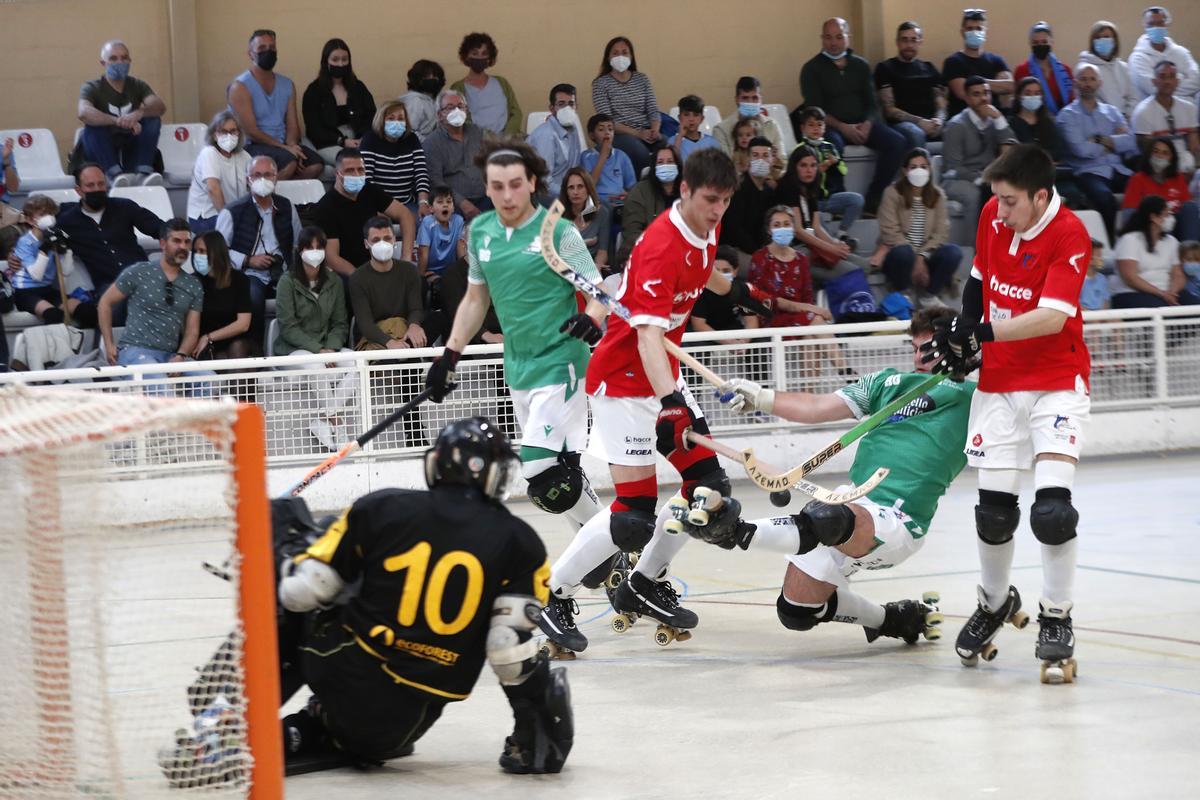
column 557, row 622
column 975, row 639
column 640, row 596
column 705, row 501
column 910, row 620
column 1056, row 643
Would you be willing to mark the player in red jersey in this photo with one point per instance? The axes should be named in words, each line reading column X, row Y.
column 640, row 404
column 1021, row 312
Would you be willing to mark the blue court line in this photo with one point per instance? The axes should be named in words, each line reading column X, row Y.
column 609, row 610
column 1141, row 574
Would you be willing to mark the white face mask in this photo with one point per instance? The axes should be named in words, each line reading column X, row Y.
column 918, row 176
column 760, row 167
column 1168, row 223
column 313, row 258
column 620, row 63
column 566, row 117
column 227, row 142
column 45, row 222
column 262, row 187
column 383, row 251
column 456, row 118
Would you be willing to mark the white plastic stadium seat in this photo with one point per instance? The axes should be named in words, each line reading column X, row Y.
column 60, row 196
column 860, row 165
column 38, row 161
column 300, row 192
column 153, row 198
column 1095, row 227
column 180, row 143
column 712, row 117
column 536, row 118
column 779, row 113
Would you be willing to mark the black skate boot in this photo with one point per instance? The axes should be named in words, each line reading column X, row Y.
column 641, row 596
column 975, row 638
column 557, row 621
column 1056, row 642
column 910, row 620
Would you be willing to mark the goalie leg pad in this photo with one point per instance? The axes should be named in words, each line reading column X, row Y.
column 557, row 489
column 511, row 648
column 804, row 618
column 830, row 524
column 632, row 529
column 545, row 724
column 997, row 516
column 1052, row 517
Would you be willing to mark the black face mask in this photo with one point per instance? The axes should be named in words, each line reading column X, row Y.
column 477, row 64
column 96, row 200
column 1041, row 51
column 341, row 71
column 266, row 59
column 429, row 86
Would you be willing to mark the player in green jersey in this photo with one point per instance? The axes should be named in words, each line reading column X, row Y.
column 546, row 336
column 826, row 544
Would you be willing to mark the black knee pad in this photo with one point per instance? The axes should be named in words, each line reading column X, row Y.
column 557, row 489
column 800, row 618
column 830, row 524
column 996, row 516
column 631, row 530
column 1052, row 517
column 714, row 479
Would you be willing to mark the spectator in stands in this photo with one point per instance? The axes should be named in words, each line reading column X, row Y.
column 1096, row 294
column 395, row 160
column 690, row 138
column 1167, row 114
column 1032, row 122
column 338, row 107
column 493, row 102
column 743, row 134
column 9, row 216
column 1159, row 174
column 226, row 316
column 742, row 226
column 347, row 207
column 839, row 82
column 102, row 228
column 34, row 265
column 716, row 312
column 914, row 247
column 425, row 81
column 1155, row 46
column 972, row 60
column 911, row 91
column 1096, row 141
column 386, row 294
column 442, row 237
column 450, row 153
column 1116, row 85
column 260, row 229
column 1058, row 84
column 557, row 139
column 627, row 97
column 592, row 218
column 265, row 106
column 1189, row 257
column 219, row 176
column 971, row 141
column 8, row 168
column 834, row 199
column 800, row 190
column 611, row 169
column 121, row 118
column 652, row 195
column 1150, row 274
column 162, row 322
column 748, row 98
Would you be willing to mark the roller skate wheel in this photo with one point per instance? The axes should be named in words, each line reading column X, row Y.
column 702, row 495
column 933, row 618
column 633, row 558
column 555, row 652
column 678, row 505
column 620, row 623
column 932, row 598
column 614, row 579
column 933, row 633
column 970, row 661
column 1019, row 620
column 663, row 636
column 683, row 636
column 988, row 651
column 1055, row 672
column 697, row 517
column 675, row 527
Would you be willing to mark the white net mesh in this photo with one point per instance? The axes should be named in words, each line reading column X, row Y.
column 108, row 612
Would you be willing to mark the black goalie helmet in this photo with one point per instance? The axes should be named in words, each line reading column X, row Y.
column 471, row 452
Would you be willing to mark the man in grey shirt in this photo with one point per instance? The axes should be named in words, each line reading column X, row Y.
column 971, row 140
column 450, row 153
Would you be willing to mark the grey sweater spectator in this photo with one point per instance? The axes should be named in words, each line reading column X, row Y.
column 972, row 140
column 450, row 153
column 386, row 294
column 425, row 81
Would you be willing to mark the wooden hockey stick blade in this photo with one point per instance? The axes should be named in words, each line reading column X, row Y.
column 815, row 491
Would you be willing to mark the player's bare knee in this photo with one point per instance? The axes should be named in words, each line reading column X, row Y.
column 823, row 523
column 800, row 587
column 557, row 489
column 1053, row 518
column 996, row 516
column 804, row 617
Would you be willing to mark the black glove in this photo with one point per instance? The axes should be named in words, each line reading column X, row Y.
column 956, row 346
column 750, row 298
column 54, row 240
column 439, row 380
column 674, row 421
column 581, row 326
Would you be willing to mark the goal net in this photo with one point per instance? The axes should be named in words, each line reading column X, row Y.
column 111, row 504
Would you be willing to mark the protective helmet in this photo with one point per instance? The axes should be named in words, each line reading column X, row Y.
column 471, row 452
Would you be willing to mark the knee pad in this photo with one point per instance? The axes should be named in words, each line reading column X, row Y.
column 632, row 529
column 714, row 479
column 803, row 618
column 996, row 516
column 830, row 524
column 556, row 490
column 1052, row 517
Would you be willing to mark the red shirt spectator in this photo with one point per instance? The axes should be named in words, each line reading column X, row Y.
column 789, row 278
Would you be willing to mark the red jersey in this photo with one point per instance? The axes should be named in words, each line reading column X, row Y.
column 1174, row 190
column 667, row 271
column 791, row 280
column 1043, row 267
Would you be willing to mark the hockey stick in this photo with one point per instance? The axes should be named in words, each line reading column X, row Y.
column 811, row 489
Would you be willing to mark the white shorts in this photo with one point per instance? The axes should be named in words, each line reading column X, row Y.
column 552, row 418
column 1008, row 429
column 624, row 426
column 894, row 544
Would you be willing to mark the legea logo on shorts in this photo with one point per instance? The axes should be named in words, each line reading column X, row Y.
column 1008, row 290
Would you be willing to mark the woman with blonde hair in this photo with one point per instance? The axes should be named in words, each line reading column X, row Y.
column 394, row 159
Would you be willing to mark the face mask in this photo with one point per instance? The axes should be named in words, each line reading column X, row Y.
column 1168, row 223
column 227, row 142
column 266, row 59
column 312, row 257
column 382, row 251
column 666, row 172
column 1104, row 46
column 1159, row 164
column 974, row 39
column 760, row 168
column 262, row 187
column 200, row 263
column 1192, row 268
column 429, row 86
column 340, row 71
column 1041, row 51
column 566, row 117
column 477, row 64
column 395, row 128
column 1156, row 35
column 918, row 176
column 782, row 236
column 353, row 183
column 118, row 71
column 1031, row 102
column 96, row 200
column 620, row 63
column 749, row 110
column 456, row 118
column 45, row 222
column 833, row 56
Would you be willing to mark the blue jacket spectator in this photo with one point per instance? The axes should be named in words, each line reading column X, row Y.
column 557, row 139
column 611, row 169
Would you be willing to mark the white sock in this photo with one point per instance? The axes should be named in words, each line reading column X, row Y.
column 776, row 534
column 1058, row 570
column 995, row 562
column 855, row 609
column 657, row 556
column 586, row 507
column 590, row 547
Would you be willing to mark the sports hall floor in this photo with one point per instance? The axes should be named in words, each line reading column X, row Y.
column 750, row 709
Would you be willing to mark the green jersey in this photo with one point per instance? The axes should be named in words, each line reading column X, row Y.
column 531, row 300
column 922, row 443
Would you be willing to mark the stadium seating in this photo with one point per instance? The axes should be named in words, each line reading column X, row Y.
column 712, row 117
column 779, row 113
column 301, row 192
column 180, row 143
column 155, row 199
column 38, row 162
